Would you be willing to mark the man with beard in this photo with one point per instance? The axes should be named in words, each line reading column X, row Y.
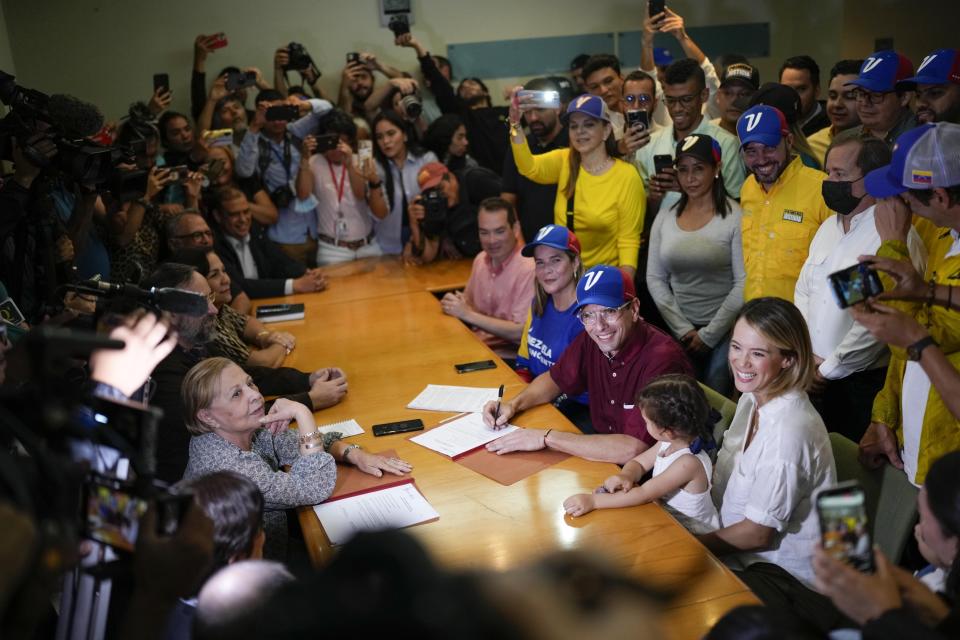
column 534, row 202
column 486, row 125
column 317, row 390
column 782, row 204
column 841, row 107
column 356, row 85
column 938, row 87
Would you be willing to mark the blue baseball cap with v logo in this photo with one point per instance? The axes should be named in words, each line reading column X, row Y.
column 606, row 286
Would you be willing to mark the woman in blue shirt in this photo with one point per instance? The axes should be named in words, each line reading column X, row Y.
column 551, row 322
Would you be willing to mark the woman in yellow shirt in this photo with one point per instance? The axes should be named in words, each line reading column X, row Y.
column 606, row 193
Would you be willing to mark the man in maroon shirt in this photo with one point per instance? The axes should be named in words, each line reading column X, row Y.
column 613, row 359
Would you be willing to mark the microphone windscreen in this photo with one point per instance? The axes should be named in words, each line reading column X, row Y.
column 74, row 117
column 179, row 301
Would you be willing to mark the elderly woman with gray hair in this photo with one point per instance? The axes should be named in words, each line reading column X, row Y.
column 232, row 431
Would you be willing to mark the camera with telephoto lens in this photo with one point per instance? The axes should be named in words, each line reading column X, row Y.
column 282, row 196
column 299, row 60
column 435, row 216
column 411, row 106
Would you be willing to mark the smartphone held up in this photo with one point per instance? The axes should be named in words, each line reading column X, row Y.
column 844, row 530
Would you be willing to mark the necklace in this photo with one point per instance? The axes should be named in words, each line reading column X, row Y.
column 600, row 167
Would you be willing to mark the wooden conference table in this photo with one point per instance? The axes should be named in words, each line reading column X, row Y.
column 381, row 324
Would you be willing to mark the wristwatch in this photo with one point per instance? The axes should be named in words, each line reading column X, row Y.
column 915, row 349
column 348, row 449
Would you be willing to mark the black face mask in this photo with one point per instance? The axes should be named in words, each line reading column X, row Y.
column 838, row 197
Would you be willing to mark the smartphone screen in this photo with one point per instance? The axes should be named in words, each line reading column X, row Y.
column 112, row 513
column 541, row 99
column 843, row 525
column 855, row 284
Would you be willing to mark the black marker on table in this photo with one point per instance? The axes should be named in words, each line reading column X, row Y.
column 496, row 416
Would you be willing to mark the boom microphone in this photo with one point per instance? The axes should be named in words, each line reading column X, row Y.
column 166, row 299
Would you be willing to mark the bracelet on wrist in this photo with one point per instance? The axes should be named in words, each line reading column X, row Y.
column 348, row 449
column 374, row 185
column 307, row 437
column 545, row 438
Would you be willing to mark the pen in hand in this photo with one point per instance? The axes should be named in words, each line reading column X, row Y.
column 496, row 415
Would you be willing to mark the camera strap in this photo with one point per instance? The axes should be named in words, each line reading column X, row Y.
column 570, row 207
column 266, row 150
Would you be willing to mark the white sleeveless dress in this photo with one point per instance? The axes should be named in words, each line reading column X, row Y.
column 695, row 511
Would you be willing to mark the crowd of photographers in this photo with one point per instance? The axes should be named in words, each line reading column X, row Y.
column 262, row 184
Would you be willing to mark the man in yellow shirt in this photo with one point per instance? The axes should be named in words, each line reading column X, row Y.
column 782, row 204
column 911, row 425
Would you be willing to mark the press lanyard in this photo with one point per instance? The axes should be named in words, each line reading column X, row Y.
column 343, row 181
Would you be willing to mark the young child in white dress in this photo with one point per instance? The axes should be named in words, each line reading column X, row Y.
column 678, row 417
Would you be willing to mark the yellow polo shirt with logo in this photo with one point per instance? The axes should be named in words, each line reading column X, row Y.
column 778, row 226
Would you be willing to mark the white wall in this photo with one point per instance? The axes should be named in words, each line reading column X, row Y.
column 107, row 51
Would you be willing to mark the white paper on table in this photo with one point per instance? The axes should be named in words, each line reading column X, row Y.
column 392, row 508
column 438, row 397
column 461, row 435
column 347, row 428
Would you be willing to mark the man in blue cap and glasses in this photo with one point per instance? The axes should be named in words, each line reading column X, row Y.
column 613, row 359
column 883, row 90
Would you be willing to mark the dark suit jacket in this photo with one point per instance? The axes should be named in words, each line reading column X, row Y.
column 273, row 265
column 173, row 439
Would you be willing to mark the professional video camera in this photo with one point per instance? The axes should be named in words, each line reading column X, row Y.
column 79, row 466
column 64, row 120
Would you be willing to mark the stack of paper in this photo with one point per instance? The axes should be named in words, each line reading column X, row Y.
column 395, row 507
column 461, row 435
column 438, row 397
column 347, row 428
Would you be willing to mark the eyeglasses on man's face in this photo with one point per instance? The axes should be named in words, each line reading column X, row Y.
column 609, row 314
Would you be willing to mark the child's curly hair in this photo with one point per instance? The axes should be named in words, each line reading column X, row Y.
column 677, row 403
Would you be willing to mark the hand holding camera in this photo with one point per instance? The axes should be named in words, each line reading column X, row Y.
column 307, row 148
column 281, row 58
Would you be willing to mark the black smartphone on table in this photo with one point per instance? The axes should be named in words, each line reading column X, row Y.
column 402, row 426
column 844, row 530
column 855, row 284
column 480, row 365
